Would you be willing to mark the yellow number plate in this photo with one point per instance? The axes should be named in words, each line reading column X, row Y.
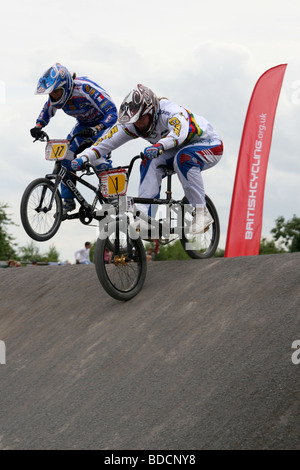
column 56, row 149
column 114, row 183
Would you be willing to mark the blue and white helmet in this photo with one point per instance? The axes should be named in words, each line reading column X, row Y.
column 54, row 78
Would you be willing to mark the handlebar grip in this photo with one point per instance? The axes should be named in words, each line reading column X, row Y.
column 142, row 156
column 44, row 136
column 85, row 166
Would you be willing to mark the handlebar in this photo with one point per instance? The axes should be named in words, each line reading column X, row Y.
column 87, row 165
column 44, row 136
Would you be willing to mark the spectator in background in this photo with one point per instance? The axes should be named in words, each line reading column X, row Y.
column 107, row 256
column 83, row 256
column 150, row 254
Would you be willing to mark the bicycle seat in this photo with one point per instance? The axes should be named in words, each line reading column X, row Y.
column 169, row 170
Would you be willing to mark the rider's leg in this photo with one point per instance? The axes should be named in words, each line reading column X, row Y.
column 150, row 180
column 66, row 193
column 189, row 162
column 150, row 184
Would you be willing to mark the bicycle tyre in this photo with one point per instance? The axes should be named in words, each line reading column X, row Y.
column 124, row 277
column 38, row 224
column 206, row 243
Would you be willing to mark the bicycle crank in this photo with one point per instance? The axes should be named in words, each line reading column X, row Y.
column 85, row 216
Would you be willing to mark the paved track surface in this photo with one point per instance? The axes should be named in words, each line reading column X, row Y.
column 200, row 359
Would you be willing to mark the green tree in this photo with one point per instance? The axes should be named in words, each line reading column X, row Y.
column 52, row 254
column 171, row 251
column 7, row 245
column 92, row 251
column 287, row 233
column 268, row 247
column 30, row 252
column 219, row 253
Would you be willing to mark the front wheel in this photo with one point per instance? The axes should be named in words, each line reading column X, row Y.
column 120, row 262
column 201, row 245
column 40, row 221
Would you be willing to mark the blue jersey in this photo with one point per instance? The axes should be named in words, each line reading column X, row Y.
column 89, row 104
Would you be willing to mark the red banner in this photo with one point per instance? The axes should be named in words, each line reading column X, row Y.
column 245, row 220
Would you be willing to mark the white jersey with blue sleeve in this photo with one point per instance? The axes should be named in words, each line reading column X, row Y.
column 176, row 126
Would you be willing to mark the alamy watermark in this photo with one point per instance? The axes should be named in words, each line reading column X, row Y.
column 113, row 219
column 2, row 92
column 2, row 352
column 296, row 354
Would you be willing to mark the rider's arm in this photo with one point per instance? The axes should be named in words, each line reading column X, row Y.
column 100, row 100
column 46, row 114
column 180, row 123
column 77, row 255
column 112, row 139
column 178, row 127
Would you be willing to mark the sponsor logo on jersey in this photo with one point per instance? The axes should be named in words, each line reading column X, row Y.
column 175, row 123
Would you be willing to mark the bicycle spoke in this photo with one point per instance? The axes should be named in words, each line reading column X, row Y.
column 41, row 221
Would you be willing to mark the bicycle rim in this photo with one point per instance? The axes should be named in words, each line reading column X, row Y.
column 39, row 223
column 124, row 276
column 202, row 245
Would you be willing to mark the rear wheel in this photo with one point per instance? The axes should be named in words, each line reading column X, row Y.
column 202, row 245
column 120, row 262
column 39, row 220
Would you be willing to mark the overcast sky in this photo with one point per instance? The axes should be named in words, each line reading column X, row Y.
column 207, row 56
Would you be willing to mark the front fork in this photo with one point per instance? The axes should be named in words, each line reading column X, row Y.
column 122, row 258
column 58, row 179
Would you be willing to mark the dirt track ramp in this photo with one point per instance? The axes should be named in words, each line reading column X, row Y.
column 200, row 359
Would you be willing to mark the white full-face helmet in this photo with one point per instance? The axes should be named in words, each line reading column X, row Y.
column 139, row 102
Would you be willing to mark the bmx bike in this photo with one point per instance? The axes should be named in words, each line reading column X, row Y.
column 41, row 207
column 124, row 276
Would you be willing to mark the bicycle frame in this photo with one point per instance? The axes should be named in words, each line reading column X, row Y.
column 162, row 226
column 62, row 174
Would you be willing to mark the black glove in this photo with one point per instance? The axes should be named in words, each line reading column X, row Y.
column 36, row 132
column 88, row 132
